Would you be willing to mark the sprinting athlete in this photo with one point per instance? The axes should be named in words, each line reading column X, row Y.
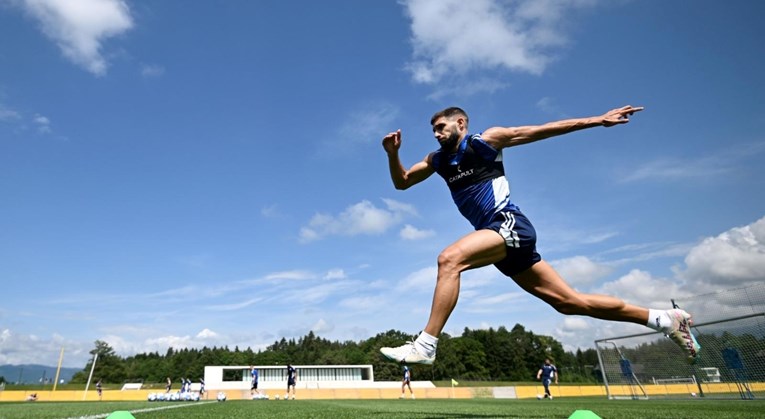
column 407, row 382
column 546, row 374
column 471, row 165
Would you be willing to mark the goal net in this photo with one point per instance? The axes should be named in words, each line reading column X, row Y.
column 731, row 363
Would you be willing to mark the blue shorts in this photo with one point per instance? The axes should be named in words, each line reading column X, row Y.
column 520, row 242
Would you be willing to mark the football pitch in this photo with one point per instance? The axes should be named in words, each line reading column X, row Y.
column 340, row 409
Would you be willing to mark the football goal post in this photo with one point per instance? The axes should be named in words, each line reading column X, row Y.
column 730, row 327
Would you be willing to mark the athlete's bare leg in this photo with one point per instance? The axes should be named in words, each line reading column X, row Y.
column 479, row 248
column 542, row 281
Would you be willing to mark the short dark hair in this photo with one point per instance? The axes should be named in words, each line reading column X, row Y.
column 448, row 113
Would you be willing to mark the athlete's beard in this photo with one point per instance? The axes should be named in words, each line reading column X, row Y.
column 451, row 143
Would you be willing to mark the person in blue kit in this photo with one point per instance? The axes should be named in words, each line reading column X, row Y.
column 99, row 389
column 291, row 381
column 471, row 165
column 254, row 381
column 407, row 382
column 547, row 373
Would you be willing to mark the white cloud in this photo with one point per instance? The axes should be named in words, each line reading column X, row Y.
column 271, row 211
column 735, row 257
column 290, row 275
column 361, row 218
column 560, row 238
column 580, row 270
column 647, row 251
column 152, row 70
column 318, row 293
column 422, row 280
column 206, row 334
column 40, row 122
column 321, row 326
column 7, row 114
column 642, row 289
column 79, row 28
column 18, row 349
column 335, row 274
column 364, row 125
column 456, row 37
column 365, row 303
column 499, row 299
column 410, row 232
column 473, row 86
column 575, row 323
column 233, row 306
column 400, row 207
column 704, row 167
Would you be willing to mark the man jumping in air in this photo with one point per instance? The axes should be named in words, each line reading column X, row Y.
column 471, row 165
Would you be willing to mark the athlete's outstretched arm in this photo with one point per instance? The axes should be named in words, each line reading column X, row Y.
column 500, row 137
column 402, row 178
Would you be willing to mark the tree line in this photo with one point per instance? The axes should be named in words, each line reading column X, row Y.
column 483, row 355
column 477, row 355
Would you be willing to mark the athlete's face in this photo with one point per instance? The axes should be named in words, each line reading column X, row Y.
column 448, row 131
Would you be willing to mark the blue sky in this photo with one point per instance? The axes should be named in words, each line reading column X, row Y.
column 183, row 173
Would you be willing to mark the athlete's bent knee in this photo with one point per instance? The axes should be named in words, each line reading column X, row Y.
column 450, row 259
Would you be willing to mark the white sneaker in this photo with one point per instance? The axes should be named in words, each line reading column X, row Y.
column 407, row 353
column 412, row 396
column 680, row 332
column 402, row 397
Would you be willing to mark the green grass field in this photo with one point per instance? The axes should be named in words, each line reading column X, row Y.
column 340, row 409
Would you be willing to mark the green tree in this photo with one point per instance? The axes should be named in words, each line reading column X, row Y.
column 109, row 366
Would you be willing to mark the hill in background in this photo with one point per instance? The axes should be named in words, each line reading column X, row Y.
column 34, row 374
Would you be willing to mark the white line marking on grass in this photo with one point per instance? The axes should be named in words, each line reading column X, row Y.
column 149, row 409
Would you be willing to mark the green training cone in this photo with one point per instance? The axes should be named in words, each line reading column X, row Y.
column 580, row 414
column 121, row 414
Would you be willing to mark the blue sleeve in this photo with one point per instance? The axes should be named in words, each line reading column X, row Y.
column 482, row 148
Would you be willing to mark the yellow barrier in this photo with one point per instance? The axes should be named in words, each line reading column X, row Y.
column 522, row 392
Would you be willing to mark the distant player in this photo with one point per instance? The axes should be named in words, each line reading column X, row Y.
column 254, row 381
column 546, row 374
column 201, row 387
column 291, row 381
column 168, row 385
column 407, row 382
column 99, row 389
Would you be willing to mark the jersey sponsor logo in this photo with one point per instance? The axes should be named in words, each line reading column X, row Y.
column 461, row 175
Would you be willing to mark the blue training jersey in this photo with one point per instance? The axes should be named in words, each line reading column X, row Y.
column 254, row 374
column 476, row 178
column 548, row 372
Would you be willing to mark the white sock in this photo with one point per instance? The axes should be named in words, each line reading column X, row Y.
column 426, row 344
column 658, row 319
